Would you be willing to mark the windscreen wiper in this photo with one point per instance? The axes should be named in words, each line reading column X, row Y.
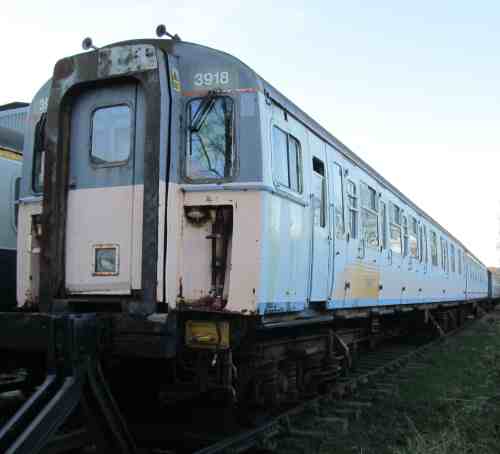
column 201, row 113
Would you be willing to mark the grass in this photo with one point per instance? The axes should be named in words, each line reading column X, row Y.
column 450, row 407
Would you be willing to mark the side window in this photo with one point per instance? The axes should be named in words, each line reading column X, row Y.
column 17, row 193
column 294, row 164
column 421, row 248
column 459, row 253
column 443, row 266
column 395, row 229
column 338, row 188
column 370, row 216
column 413, row 237
column 426, row 247
column 287, row 162
column 404, row 222
column 452, row 258
column 434, row 249
column 383, row 218
column 444, row 255
column 352, row 202
column 111, row 135
column 319, row 193
column 39, row 155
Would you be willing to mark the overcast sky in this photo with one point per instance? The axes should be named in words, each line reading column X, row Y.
column 411, row 87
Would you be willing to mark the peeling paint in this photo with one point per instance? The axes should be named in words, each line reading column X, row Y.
column 126, row 59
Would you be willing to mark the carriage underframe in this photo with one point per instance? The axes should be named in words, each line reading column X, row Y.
column 76, row 361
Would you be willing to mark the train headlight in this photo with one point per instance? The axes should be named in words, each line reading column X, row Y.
column 203, row 334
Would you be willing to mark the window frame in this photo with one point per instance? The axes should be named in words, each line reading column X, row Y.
column 405, row 237
column 323, row 201
column 187, row 146
column 15, row 197
column 39, row 153
column 452, row 258
column 350, row 208
column 413, row 221
column 370, row 208
column 426, row 252
column 434, row 249
column 100, row 165
column 396, row 223
column 421, row 243
column 278, row 184
column 338, row 197
column 383, row 222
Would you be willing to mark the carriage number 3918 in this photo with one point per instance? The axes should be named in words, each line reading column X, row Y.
column 208, row 79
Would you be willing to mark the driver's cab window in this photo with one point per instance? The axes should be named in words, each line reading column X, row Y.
column 210, row 150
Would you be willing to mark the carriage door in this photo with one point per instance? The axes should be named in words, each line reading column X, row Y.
column 320, row 234
column 104, row 212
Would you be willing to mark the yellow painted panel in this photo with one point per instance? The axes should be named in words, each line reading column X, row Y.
column 364, row 282
column 203, row 334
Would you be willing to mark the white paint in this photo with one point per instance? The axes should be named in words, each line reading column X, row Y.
column 101, row 216
column 28, row 254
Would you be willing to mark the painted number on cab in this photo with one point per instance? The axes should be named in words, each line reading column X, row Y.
column 211, row 79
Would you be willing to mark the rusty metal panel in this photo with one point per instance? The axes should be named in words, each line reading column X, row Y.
column 119, row 60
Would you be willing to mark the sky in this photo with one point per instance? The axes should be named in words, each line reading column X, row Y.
column 411, row 87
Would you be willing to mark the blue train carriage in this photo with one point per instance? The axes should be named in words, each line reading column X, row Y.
column 215, row 227
column 30, row 201
column 494, row 282
column 11, row 145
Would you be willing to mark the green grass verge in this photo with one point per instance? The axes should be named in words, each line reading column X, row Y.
column 450, row 407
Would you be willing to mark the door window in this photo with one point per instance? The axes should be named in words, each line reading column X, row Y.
column 413, row 239
column 319, row 193
column 338, row 188
column 383, row 215
column 111, row 135
column 395, row 229
column 370, row 215
column 352, row 202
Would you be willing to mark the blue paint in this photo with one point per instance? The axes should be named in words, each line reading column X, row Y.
column 358, row 303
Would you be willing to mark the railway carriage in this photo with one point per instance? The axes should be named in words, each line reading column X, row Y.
column 242, row 202
column 11, row 144
column 217, row 231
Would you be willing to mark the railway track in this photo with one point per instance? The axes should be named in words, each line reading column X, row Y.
column 314, row 424
column 303, row 427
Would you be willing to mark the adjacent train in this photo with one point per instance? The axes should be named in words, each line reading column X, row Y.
column 226, row 236
column 30, row 201
column 11, row 146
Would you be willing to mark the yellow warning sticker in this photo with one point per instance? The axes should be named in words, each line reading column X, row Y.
column 175, row 80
